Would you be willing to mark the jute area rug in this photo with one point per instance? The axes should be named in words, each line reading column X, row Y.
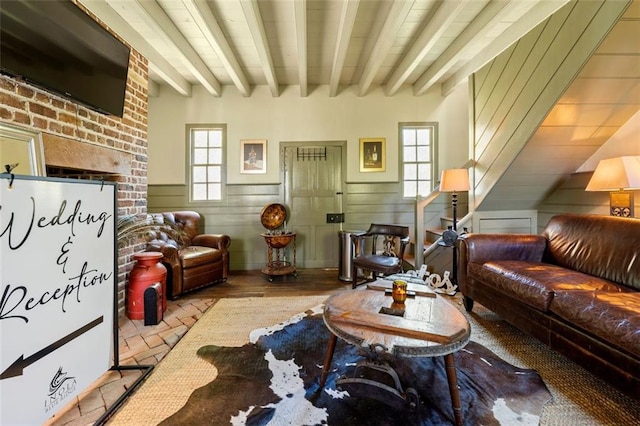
column 577, row 397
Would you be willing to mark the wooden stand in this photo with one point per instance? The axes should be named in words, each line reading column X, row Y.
column 276, row 255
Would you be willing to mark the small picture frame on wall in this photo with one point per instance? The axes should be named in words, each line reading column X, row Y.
column 253, row 154
column 372, row 154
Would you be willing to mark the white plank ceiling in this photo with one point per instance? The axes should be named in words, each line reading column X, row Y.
column 241, row 44
column 226, row 45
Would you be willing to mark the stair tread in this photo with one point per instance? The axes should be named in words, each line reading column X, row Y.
column 436, row 231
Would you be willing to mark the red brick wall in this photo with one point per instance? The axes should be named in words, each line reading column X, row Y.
column 32, row 108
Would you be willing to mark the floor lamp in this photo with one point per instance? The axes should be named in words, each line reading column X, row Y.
column 454, row 180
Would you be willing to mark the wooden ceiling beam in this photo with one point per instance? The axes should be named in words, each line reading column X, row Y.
column 208, row 25
column 538, row 13
column 300, row 7
column 345, row 29
column 252, row 14
column 394, row 19
column 155, row 17
column 487, row 19
column 441, row 20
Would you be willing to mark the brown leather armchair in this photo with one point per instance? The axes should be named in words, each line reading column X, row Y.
column 195, row 261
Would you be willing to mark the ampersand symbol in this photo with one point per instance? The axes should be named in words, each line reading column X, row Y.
column 62, row 259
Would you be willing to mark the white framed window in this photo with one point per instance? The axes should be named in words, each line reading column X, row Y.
column 206, row 161
column 418, row 142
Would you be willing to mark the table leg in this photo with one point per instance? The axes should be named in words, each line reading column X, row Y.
column 327, row 359
column 452, row 378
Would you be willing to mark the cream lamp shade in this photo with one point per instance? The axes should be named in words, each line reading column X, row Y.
column 453, row 180
column 619, row 176
column 616, row 174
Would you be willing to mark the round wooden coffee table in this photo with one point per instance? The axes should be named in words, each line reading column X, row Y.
column 425, row 326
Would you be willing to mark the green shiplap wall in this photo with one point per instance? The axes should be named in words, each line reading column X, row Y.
column 514, row 93
column 238, row 215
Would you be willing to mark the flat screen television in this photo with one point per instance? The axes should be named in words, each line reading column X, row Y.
column 55, row 45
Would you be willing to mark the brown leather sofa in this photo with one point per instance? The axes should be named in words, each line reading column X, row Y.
column 576, row 288
column 196, row 260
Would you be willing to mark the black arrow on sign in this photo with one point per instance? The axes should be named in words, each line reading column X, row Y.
column 21, row 363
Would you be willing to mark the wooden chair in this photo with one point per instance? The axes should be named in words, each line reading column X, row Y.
column 387, row 242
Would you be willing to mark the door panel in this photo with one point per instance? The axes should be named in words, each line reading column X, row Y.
column 313, row 177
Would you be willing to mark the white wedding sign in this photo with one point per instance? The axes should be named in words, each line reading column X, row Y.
column 58, row 273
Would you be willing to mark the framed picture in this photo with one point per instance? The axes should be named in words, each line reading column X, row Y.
column 372, row 155
column 253, row 156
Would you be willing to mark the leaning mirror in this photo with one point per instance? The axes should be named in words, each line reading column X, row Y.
column 21, row 150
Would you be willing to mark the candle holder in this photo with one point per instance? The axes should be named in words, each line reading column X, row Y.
column 399, row 291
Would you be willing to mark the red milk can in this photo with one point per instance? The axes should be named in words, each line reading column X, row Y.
column 147, row 271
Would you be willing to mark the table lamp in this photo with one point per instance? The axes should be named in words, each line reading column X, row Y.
column 620, row 176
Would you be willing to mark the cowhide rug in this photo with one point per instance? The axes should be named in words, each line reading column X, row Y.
column 274, row 381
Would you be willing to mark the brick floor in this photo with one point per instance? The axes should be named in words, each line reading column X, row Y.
column 138, row 345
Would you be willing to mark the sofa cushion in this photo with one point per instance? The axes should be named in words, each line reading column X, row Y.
column 602, row 246
column 197, row 255
column 534, row 283
column 613, row 317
